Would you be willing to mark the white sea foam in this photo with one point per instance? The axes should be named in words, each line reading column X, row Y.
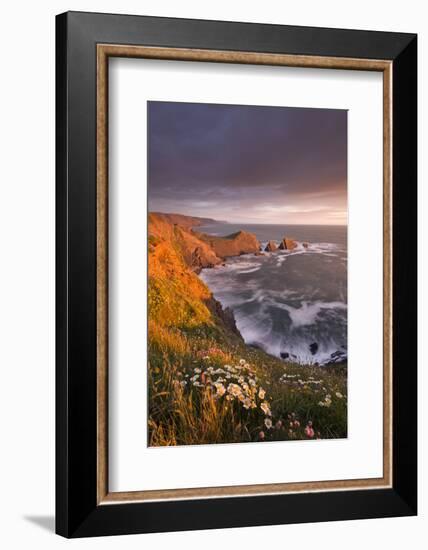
column 287, row 308
column 307, row 313
column 252, row 270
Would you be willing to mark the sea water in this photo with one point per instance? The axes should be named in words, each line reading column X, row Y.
column 292, row 304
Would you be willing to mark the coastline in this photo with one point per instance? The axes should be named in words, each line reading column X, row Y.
column 206, row 385
column 205, row 251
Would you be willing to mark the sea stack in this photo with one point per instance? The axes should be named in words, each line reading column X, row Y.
column 271, row 246
column 287, row 244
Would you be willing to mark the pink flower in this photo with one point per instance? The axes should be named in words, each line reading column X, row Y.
column 309, row 431
column 262, row 435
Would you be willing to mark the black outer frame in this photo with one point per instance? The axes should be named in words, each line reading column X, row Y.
column 77, row 513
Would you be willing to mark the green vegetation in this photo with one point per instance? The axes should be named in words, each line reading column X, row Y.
column 207, row 386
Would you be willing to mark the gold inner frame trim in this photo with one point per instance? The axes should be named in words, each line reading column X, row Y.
column 104, row 51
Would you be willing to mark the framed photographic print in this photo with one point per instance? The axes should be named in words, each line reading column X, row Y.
column 236, row 274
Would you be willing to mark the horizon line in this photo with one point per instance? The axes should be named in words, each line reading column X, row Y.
column 243, row 222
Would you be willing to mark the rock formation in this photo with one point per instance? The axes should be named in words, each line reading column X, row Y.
column 287, row 244
column 271, row 246
column 198, row 249
column 195, row 252
column 184, row 221
column 231, row 245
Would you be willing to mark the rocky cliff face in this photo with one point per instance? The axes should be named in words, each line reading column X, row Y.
column 195, row 252
column 183, row 221
column 198, row 249
column 177, row 297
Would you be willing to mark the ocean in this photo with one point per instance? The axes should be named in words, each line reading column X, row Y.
column 292, row 304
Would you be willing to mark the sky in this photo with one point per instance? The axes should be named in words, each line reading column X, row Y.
column 248, row 164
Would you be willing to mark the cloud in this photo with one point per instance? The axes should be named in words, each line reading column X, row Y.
column 207, row 159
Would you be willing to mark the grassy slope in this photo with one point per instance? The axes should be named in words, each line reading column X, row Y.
column 194, row 357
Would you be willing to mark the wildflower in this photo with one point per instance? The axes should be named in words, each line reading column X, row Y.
column 327, row 402
column 183, row 383
column 247, row 402
column 321, row 404
column 252, row 382
column 296, row 424
column 265, row 408
column 339, row 395
column 220, row 389
column 278, row 425
column 241, row 379
column 261, row 435
column 309, row 431
column 268, row 423
column 206, row 357
column 234, row 390
column 242, row 362
column 262, row 393
column 197, row 370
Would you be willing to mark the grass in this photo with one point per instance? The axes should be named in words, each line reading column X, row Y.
column 207, row 386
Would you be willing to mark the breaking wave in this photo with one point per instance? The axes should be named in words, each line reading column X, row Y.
column 292, row 304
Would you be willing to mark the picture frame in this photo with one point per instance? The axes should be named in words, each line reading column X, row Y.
column 84, row 44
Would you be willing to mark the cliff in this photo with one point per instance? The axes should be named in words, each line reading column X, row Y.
column 177, row 297
column 198, row 249
column 198, row 361
column 184, row 221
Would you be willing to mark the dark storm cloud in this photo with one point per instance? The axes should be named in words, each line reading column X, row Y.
column 247, row 163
